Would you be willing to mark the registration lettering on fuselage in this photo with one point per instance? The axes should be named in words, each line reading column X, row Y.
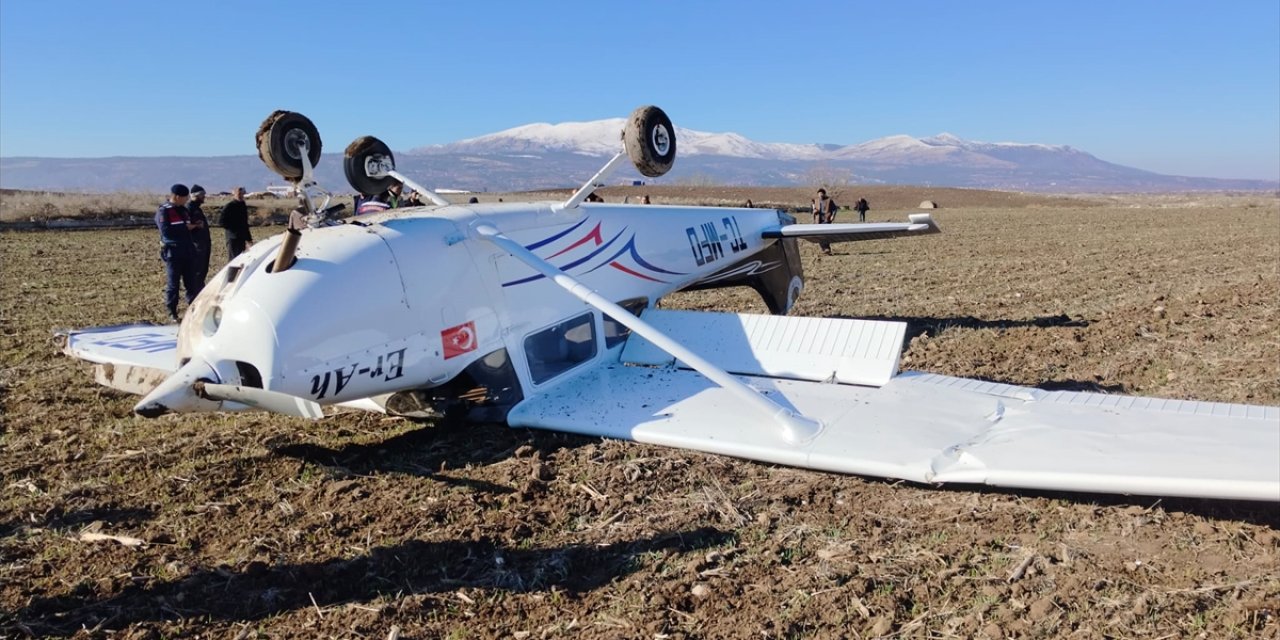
column 385, row 368
column 708, row 240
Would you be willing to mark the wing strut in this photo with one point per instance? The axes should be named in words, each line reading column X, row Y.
column 431, row 195
column 796, row 428
column 594, row 183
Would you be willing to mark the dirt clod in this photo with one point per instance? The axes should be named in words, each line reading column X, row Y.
column 542, row 472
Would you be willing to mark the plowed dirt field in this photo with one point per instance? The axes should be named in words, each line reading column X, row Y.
column 363, row 526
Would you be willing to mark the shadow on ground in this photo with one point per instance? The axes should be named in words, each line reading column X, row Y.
column 56, row 518
column 1254, row 512
column 920, row 325
column 427, row 450
column 258, row 591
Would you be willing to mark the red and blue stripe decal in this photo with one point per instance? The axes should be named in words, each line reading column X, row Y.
column 642, row 268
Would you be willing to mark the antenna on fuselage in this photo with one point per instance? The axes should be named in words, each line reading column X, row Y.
column 648, row 139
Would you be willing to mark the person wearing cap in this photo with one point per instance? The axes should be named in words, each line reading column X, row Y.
column 235, row 222
column 199, row 232
column 177, row 249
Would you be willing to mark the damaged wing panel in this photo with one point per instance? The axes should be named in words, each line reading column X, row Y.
column 916, row 429
column 132, row 345
column 133, row 358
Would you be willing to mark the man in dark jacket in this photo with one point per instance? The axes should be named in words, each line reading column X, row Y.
column 199, row 232
column 235, row 222
column 862, row 208
column 177, row 249
column 824, row 212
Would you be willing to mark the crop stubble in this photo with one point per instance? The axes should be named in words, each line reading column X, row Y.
column 259, row 526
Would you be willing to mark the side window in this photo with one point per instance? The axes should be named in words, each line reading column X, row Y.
column 558, row 348
column 615, row 333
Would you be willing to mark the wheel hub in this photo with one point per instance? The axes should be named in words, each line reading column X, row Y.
column 661, row 139
column 378, row 166
column 295, row 140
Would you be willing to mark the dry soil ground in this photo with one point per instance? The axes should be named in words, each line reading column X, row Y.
column 360, row 526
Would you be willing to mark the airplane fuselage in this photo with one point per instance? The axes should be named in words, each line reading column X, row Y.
column 409, row 298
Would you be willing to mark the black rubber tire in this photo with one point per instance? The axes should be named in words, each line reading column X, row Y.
column 278, row 143
column 354, row 160
column 650, row 140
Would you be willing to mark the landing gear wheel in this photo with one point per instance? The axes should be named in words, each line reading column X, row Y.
column 281, row 139
column 367, row 162
column 650, row 140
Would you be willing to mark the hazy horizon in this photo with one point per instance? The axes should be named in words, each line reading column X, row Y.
column 1177, row 88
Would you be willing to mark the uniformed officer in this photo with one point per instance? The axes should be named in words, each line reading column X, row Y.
column 199, row 232
column 177, row 249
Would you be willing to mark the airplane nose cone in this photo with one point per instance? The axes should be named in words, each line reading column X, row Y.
column 177, row 393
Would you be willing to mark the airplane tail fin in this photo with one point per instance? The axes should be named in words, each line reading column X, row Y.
column 775, row 273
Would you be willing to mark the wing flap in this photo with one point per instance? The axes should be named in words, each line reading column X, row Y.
column 913, row 430
column 920, row 224
column 848, row 351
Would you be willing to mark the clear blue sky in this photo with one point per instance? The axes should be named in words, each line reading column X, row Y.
column 1190, row 88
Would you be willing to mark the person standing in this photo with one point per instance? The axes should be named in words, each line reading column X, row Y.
column 393, row 194
column 177, row 249
column 389, row 199
column 862, row 208
column 235, row 224
column 199, row 232
column 824, row 212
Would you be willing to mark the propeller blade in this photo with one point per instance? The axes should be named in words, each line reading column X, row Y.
column 272, row 401
column 176, row 393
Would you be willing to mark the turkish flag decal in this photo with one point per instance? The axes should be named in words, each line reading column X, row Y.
column 459, row 340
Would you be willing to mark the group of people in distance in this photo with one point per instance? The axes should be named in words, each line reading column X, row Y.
column 824, row 212
column 392, row 198
column 185, row 242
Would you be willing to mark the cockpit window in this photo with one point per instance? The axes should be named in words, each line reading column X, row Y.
column 560, row 347
column 615, row 333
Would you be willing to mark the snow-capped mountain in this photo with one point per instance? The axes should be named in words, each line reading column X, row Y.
column 943, row 159
column 537, row 156
column 903, row 150
column 600, row 138
column 1003, row 164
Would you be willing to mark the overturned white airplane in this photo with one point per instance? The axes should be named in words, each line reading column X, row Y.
column 543, row 315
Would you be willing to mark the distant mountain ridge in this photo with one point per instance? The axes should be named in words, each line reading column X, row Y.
column 601, row 138
column 543, row 155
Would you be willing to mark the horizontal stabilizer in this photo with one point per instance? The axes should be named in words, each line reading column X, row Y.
column 138, row 345
column 936, row 429
column 819, row 349
column 920, row 224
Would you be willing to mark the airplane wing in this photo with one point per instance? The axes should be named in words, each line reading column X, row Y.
column 912, row 426
column 133, row 358
column 138, row 358
column 920, row 224
column 143, row 345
